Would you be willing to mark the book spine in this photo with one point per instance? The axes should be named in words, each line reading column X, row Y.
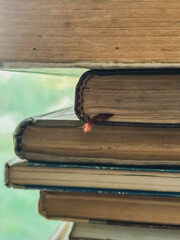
column 17, row 136
column 7, row 169
column 42, row 211
column 79, row 111
column 79, row 94
column 6, row 175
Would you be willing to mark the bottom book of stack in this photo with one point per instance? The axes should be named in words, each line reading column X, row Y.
column 98, row 231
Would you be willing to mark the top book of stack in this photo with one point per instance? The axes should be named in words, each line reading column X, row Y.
column 93, row 34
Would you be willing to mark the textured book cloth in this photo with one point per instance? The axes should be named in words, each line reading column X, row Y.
column 132, row 96
column 109, row 207
column 93, row 178
column 89, row 33
column 57, row 137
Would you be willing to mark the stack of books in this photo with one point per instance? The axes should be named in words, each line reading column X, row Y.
column 119, row 173
column 121, row 168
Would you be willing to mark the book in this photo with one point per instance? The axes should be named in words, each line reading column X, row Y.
column 86, row 231
column 78, row 206
column 58, row 137
column 97, row 34
column 93, row 178
column 132, row 96
column 62, row 232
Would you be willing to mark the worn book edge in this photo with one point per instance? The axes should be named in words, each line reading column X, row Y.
column 87, row 189
column 44, row 214
column 88, row 75
column 100, row 231
column 51, row 119
column 7, row 169
column 90, row 65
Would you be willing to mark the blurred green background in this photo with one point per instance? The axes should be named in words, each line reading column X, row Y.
column 24, row 94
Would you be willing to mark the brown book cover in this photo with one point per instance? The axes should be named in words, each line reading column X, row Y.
column 89, row 33
column 109, row 207
column 58, row 137
column 148, row 96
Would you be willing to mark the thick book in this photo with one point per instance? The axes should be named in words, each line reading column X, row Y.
column 89, row 33
column 93, row 178
column 132, row 96
column 87, row 231
column 58, row 137
column 109, row 207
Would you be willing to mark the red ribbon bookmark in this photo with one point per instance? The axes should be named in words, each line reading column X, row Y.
column 87, row 127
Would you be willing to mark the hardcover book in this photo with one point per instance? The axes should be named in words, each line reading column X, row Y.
column 86, row 231
column 78, row 206
column 90, row 34
column 92, row 178
column 132, row 96
column 58, row 137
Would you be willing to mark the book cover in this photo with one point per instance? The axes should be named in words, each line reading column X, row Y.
column 105, row 34
column 146, row 96
column 93, row 178
column 112, row 208
column 59, row 137
column 85, row 231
